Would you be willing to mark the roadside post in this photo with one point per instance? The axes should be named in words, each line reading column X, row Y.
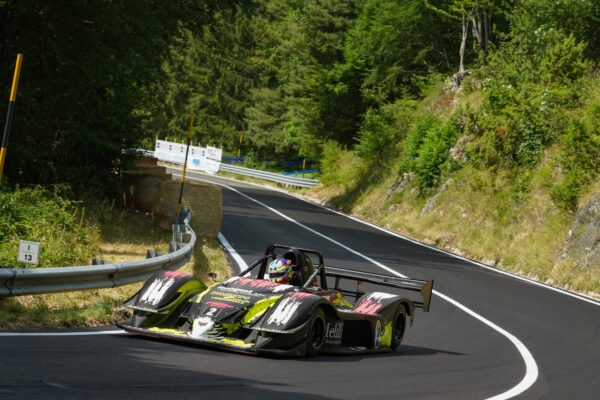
column 9, row 114
column 187, row 150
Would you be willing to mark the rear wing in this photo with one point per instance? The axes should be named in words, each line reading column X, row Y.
column 415, row 285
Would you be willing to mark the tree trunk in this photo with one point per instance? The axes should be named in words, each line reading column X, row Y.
column 463, row 44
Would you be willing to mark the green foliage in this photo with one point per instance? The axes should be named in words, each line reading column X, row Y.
column 433, row 155
column 265, row 125
column 379, row 136
column 580, row 160
column 39, row 215
column 100, row 78
column 86, row 84
column 390, row 47
column 427, row 150
column 580, row 18
column 208, row 75
column 340, row 167
column 530, row 83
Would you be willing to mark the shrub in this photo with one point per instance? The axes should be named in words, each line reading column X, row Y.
column 44, row 216
column 580, row 161
column 339, row 167
column 378, row 137
column 427, row 149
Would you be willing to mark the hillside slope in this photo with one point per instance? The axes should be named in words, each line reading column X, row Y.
column 506, row 217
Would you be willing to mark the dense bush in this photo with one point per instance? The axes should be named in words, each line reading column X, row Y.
column 47, row 217
column 580, row 160
column 427, row 150
column 379, row 138
column 339, row 167
column 530, row 83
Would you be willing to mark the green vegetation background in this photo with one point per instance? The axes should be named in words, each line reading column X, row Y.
column 472, row 125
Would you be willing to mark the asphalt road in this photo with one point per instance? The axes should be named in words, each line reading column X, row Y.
column 488, row 335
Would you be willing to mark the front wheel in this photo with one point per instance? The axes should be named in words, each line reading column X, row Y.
column 398, row 327
column 316, row 333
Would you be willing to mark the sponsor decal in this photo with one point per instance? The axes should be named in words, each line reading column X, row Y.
column 334, row 332
column 157, row 289
column 284, row 311
column 236, row 298
column 216, row 304
column 372, row 303
column 235, row 290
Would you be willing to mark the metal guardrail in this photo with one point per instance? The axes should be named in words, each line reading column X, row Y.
column 17, row 282
column 270, row 176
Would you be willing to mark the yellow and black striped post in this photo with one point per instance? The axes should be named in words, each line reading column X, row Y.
column 11, row 107
column 239, row 152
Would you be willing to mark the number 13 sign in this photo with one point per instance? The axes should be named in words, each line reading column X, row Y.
column 29, row 252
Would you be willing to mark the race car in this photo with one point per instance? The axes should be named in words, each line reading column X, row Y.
column 301, row 316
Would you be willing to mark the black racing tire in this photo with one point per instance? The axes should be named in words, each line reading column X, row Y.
column 316, row 333
column 398, row 327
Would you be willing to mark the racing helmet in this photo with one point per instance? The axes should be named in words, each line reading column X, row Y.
column 280, row 270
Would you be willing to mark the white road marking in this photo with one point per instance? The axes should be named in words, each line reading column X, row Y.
column 238, row 259
column 45, row 334
column 531, row 368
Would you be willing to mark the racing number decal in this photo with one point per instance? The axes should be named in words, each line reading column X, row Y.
column 211, row 312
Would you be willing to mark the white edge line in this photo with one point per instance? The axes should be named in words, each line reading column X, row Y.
column 45, row 334
column 531, row 373
column 234, row 254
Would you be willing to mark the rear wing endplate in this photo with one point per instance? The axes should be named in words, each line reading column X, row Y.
column 415, row 285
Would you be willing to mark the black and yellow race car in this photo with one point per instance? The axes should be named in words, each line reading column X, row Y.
column 301, row 318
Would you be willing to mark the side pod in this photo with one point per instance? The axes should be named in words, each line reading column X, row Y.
column 164, row 291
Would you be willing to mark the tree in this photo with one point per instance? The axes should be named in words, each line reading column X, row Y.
column 390, row 49
column 210, row 75
column 88, row 73
column 476, row 13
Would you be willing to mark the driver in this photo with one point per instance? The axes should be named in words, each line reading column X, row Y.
column 280, row 271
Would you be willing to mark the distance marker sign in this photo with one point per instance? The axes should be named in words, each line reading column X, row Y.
column 29, row 252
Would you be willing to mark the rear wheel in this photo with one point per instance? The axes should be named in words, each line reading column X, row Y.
column 398, row 327
column 316, row 333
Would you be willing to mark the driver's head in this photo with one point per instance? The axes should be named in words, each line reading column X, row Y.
column 280, row 270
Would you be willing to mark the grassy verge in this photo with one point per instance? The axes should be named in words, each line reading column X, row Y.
column 483, row 217
column 124, row 236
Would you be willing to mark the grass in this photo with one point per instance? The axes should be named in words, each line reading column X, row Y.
column 125, row 236
column 485, row 217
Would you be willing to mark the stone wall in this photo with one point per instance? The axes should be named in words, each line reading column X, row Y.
column 149, row 189
column 204, row 201
column 583, row 244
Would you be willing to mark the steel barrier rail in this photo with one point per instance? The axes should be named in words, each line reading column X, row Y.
column 17, row 282
column 270, row 176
